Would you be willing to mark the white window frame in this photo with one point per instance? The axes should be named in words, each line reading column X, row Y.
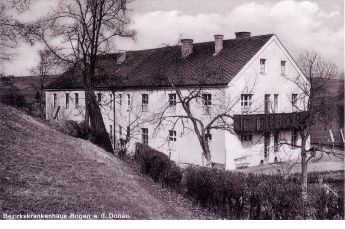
column 263, row 66
column 67, row 100
column 172, row 100
column 283, row 68
column 120, row 100
column 76, row 100
column 267, row 104
column 99, row 97
column 145, row 136
column 54, row 100
column 172, row 135
column 294, row 138
column 129, row 102
column 276, row 103
column 207, row 99
column 111, row 132
column 246, row 102
column 144, row 102
column 294, row 99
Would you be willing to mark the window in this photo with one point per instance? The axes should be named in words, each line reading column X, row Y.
column 172, row 99
column 276, row 97
column 120, row 131
column 128, row 101
column 111, row 132
column 145, row 102
column 276, row 141
column 246, row 102
column 120, row 100
column 172, row 135
column 207, row 99
column 294, row 102
column 248, row 137
column 128, row 132
column 67, row 100
column 76, row 100
column 99, row 97
column 294, row 138
column 145, row 135
column 208, row 135
column 262, row 66
column 283, row 67
column 267, row 103
column 54, row 100
column 111, row 100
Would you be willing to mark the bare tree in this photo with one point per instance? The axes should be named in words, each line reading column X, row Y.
column 318, row 72
column 48, row 65
column 12, row 30
column 78, row 32
column 204, row 109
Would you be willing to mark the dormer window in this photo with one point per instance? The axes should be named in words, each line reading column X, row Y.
column 283, row 67
column 262, row 66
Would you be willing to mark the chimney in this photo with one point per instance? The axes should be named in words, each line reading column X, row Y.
column 186, row 47
column 218, row 43
column 121, row 57
column 241, row 35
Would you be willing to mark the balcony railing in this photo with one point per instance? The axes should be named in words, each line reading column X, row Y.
column 268, row 122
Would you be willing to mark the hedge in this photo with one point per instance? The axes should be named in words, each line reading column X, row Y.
column 158, row 166
column 235, row 195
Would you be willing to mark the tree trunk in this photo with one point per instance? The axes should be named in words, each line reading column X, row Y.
column 207, row 153
column 304, row 174
column 41, row 93
column 304, row 178
column 99, row 134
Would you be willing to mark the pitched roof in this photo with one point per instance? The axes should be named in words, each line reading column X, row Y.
column 159, row 67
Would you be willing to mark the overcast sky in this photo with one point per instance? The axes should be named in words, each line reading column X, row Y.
column 300, row 25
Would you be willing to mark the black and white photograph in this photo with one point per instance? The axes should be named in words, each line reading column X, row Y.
column 124, row 110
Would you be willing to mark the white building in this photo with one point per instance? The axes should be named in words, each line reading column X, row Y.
column 250, row 78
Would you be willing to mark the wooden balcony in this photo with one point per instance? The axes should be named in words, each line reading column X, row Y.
column 268, row 122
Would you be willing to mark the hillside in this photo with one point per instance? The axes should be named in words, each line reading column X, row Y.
column 45, row 171
column 26, row 85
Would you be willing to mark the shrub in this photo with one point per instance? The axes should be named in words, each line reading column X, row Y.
column 71, row 128
column 234, row 195
column 158, row 166
column 14, row 98
column 326, row 205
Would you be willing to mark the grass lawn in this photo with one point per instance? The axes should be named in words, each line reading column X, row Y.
column 45, row 171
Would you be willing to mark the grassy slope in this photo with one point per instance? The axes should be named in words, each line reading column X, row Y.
column 44, row 171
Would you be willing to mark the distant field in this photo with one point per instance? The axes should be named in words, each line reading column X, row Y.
column 26, row 85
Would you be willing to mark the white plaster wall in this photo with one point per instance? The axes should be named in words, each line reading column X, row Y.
column 78, row 113
column 251, row 81
column 186, row 149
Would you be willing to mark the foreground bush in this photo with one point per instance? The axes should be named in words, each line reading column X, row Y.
column 158, row 166
column 234, row 195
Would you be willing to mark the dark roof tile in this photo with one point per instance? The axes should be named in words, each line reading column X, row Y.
column 159, row 67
